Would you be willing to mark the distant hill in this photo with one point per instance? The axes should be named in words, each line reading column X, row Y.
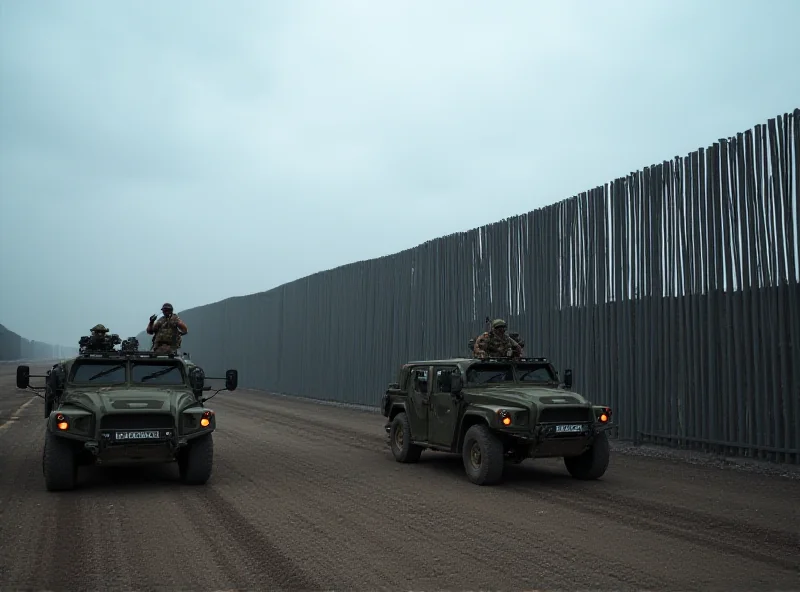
column 15, row 347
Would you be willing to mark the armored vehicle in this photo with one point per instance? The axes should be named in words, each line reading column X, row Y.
column 492, row 410
column 114, row 407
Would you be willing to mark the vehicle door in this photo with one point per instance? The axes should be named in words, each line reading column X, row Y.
column 443, row 409
column 417, row 389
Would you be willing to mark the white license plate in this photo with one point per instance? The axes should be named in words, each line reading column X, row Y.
column 569, row 428
column 138, row 435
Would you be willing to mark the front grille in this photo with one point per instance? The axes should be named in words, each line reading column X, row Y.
column 136, row 421
column 565, row 415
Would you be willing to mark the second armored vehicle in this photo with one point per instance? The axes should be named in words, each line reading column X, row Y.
column 493, row 410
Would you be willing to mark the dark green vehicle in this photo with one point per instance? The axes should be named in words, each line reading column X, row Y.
column 114, row 407
column 492, row 411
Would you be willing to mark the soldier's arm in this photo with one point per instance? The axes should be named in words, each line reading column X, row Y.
column 181, row 325
column 153, row 327
column 479, row 347
column 516, row 347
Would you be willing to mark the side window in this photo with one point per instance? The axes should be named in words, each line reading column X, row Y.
column 421, row 380
column 443, row 373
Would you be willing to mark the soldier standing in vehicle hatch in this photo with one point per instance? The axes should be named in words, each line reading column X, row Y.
column 496, row 344
column 167, row 331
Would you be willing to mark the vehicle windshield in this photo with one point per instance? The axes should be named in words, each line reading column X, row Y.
column 99, row 373
column 157, row 374
column 535, row 373
column 490, row 373
column 527, row 373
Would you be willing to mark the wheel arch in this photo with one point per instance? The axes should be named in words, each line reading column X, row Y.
column 395, row 409
column 469, row 419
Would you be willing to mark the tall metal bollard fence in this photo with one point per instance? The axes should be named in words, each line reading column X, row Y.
column 671, row 292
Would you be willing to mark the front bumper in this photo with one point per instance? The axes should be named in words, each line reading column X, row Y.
column 116, row 433
column 116, row 442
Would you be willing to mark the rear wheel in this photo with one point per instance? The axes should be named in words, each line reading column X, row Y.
column 59, row 463
column 482, row 454
column 196, row 461
column 403, row 449
column 593, row 463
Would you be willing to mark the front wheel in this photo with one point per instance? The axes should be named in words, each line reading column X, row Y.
column 59, row 464
column 593, row 463
column 482, row 454
column 403, row 449
column 196, row 461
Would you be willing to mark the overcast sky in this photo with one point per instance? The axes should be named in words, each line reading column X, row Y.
column 190, row 151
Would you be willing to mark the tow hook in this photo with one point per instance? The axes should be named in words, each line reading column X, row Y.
column 388, row 427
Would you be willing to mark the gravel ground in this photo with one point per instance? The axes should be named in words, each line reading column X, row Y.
column 307, row 497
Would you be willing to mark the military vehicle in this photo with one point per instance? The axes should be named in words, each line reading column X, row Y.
column 115, row 407
column 493, row 410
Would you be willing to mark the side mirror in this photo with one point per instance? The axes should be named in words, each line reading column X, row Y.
column 231, row 379
column 197, row 379
column 23, row 377
column 568, row 378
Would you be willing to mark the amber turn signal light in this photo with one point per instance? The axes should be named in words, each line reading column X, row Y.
column 62, row 425
column 204, row 422
column 603, row 418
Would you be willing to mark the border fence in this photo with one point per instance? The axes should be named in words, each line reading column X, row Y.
column 671, row 292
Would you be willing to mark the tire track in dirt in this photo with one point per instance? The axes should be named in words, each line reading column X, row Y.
column 506, row 533
column 769, row 546
column 261, row 555
column 729, row 537
column 296, row 421
column 683, row 522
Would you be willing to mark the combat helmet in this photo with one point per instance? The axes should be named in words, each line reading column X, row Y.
column 99, row 328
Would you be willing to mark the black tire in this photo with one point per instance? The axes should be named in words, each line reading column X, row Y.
column 403, row 449
column 482, row 454
column 59, row 464
column 593, row 463
column 196, row 461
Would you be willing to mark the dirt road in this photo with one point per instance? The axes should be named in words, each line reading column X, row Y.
column 308, row 497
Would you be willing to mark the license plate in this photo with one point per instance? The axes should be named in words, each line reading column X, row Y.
column 569, row 428
column 138, row 435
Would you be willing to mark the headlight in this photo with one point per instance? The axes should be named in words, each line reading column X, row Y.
column 604, row 415
column 62, row 423
column 73, row 423
column 195, row 420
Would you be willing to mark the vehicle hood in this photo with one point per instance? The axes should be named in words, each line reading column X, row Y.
column 524, row 396
column 116, row 400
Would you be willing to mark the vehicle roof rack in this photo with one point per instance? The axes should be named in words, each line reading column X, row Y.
column 128, row 354
column 538, row 360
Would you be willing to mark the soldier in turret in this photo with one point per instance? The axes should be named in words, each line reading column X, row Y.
column 167, row 331
column 98, row 332
column 496, row 344
column 98, row 340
